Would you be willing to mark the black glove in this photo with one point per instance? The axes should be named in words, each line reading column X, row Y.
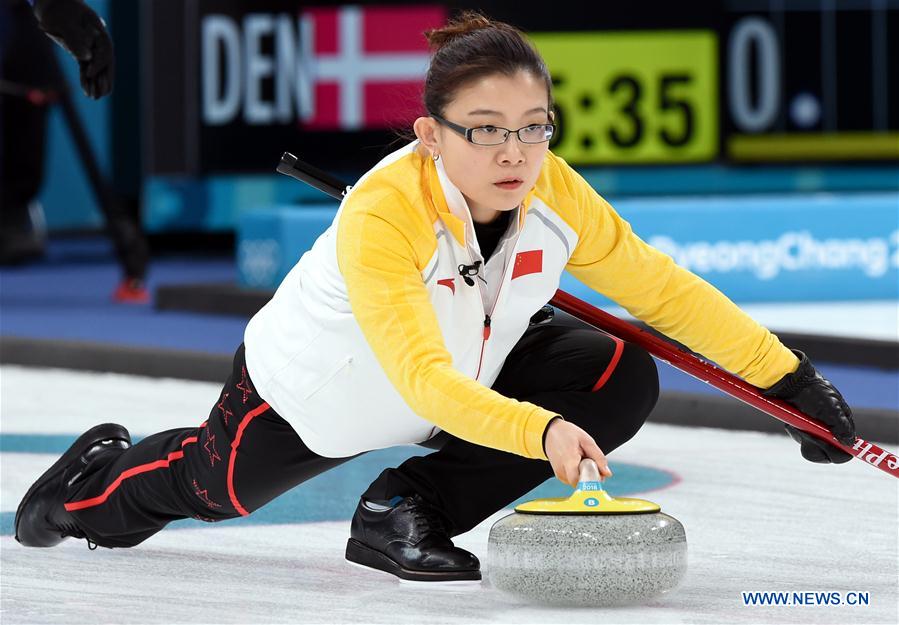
column 808, row 391
column 74, row 26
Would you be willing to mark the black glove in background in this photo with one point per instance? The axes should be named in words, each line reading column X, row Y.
column 809, row 392
column 75, row 26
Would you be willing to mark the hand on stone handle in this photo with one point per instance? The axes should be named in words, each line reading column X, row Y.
column 566, row 445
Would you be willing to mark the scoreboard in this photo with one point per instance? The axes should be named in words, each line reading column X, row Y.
column 810, row 81
column 643, row 82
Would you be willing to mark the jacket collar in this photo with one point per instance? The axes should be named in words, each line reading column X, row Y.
column 451, row 205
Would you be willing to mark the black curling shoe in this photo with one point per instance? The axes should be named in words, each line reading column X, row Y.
column 42, row 520
column 410, row 541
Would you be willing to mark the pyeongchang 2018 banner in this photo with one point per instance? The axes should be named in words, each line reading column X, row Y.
column 277, row 76
column 770, row 248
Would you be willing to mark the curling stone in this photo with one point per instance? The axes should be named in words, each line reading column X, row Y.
column 589, row 549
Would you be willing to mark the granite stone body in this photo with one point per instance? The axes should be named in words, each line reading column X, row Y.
column 585, row 559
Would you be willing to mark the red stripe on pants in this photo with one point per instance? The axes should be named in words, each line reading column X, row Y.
column 234, row 445
column 619, row 348
column 124, row 475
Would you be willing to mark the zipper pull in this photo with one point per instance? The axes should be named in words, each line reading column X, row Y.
column 486, row 327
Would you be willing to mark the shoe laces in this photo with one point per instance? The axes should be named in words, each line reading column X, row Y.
column 70, row 530
column 427, row 517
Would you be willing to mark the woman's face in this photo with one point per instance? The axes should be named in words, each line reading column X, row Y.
column 496, row 100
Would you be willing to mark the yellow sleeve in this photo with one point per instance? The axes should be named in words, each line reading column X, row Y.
column 393, row 309
column 614, row 261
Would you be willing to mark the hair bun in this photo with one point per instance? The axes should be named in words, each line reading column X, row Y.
column 467, row 22
column 473, row 46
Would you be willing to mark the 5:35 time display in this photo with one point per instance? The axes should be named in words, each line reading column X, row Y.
column 638, row 97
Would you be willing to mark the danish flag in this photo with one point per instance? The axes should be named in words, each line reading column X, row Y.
column 364, row 67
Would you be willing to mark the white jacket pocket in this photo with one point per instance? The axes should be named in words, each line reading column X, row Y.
column 329, row 375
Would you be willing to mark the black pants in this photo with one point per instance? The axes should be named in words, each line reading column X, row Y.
column 244, row 455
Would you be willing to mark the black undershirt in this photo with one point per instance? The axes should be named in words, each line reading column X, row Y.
column 488, row 235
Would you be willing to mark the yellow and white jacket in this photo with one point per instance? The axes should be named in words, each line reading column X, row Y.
column 373, row 339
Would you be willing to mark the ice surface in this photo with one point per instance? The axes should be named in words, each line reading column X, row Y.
column 757, row 517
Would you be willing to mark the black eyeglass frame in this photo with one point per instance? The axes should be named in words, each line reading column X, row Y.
column 467, row 132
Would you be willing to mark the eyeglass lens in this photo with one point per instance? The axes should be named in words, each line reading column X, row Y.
column 494, row 136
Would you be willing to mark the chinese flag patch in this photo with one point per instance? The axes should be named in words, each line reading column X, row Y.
column 527, row 263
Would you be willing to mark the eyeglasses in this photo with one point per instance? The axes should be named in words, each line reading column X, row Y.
column 494, row 135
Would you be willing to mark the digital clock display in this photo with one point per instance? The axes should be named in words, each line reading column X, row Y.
column 634, row 97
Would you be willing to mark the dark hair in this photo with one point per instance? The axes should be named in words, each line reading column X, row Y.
column 471, row 46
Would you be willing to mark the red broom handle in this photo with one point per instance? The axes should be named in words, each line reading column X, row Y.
column 722, row 380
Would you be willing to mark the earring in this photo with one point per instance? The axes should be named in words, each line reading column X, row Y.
column 436, row 157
